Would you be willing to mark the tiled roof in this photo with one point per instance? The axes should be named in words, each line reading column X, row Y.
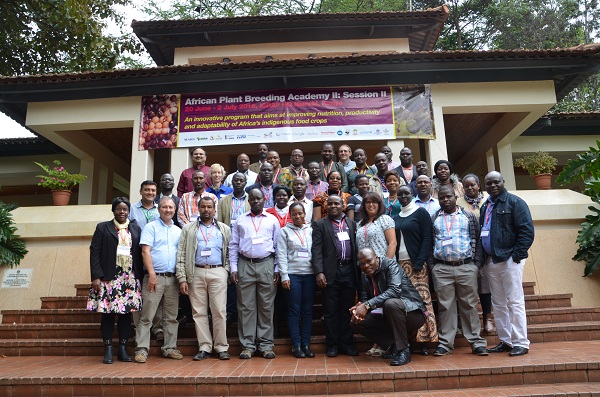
column 421, row 28
column 567, row 67
column 422, row 57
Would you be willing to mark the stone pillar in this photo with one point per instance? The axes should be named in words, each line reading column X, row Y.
column 436, row 148
column 142, row 165
column 180, row 160
column 88, row 189
column 507, row 168
column 491, row 162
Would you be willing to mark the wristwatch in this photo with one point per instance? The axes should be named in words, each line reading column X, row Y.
column 367, row 305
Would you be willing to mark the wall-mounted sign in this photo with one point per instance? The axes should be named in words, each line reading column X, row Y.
column 16, row 278
column 300, row 115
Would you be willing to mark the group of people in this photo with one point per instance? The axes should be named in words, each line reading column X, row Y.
column 385, row 234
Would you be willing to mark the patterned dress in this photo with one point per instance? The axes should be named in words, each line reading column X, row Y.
column 420, row 279
column 121, row 295
column 372, row 235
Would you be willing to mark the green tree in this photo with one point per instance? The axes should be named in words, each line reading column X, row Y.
column 205, row 9
column 586, row 167
column 12, row 248
column 55, row 36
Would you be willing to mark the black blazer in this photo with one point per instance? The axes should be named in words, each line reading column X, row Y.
column 174, row 196
column 103, row 251
column 323, row 248
column 401, row 173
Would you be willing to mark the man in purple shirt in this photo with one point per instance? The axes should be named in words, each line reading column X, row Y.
column 252, row 262
column 315, row 185
column 186, row 184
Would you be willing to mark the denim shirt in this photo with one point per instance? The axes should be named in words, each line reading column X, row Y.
column 511, row 231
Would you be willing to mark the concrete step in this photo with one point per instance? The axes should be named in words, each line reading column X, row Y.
column 64, row 302
column 32, row 339
column 559, row 369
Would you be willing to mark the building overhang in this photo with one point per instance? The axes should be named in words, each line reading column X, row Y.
column 161, row 38
column 565, row 67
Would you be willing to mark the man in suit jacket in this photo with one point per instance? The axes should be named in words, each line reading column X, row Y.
column 167, row 182
column 236, row 203
column 266, row 184
column 334, row 262
column 407, row 169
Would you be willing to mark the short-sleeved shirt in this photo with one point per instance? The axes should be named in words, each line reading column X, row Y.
column 372, row 235
column 162, row 240
column 452, row 240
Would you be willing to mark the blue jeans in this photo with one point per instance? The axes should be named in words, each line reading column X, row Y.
column 300, row 306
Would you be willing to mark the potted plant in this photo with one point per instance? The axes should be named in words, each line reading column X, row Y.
column 540, row 166
column 60, row 181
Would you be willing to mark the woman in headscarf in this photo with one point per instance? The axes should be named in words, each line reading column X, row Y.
column 414, row 233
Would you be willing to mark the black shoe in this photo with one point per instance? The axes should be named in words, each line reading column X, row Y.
column 201, row 355
column 108, row 352
column 390, row 354
column 122, row 353
column 307, row 352
column 440, row 351
column 402, row 357
column 224, row 356
column 332, row 352
column 500, row 348
column 424, row 351
column 518, row 351
column 349, row 351
column 480, row 351
column 298, row 352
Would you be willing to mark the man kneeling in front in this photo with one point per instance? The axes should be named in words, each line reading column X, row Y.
column 391, row 309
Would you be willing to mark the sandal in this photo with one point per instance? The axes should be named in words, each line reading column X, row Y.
column 370, row 351
column 377, row 352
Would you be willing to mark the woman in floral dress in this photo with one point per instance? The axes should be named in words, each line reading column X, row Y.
column 116, row 270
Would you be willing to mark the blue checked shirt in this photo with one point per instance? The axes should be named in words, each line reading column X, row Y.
column 455, row 227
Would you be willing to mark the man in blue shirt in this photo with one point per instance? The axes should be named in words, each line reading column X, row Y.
column 454, row 265
column 424, row 198
column 159, row 241
column 145, row 210
column 506, row 235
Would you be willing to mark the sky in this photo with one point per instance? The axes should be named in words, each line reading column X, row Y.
column 11, row 129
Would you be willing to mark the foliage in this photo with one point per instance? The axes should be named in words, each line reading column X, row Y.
column 58, row 178
column 586, row 166
column 57, row 36
column 538, row 163
column 205, row 9
column 12, row 248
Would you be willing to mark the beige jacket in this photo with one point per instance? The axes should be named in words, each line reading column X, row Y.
column 188, row 245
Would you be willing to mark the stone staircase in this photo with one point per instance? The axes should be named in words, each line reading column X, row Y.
column 563, row 360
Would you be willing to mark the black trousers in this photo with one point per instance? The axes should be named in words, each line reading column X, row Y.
column 395, row 326
column 338, row 297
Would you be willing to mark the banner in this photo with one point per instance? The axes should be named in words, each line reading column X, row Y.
column 300, row 115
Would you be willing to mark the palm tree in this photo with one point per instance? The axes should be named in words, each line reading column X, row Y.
column 12, row 248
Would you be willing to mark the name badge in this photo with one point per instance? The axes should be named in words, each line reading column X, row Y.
column 303, row 253
column 257, row 240
column 485, row 233
column 379, row 310
column 447, row 241
column 343, row 236
column 205, row 252
column 122, row 250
